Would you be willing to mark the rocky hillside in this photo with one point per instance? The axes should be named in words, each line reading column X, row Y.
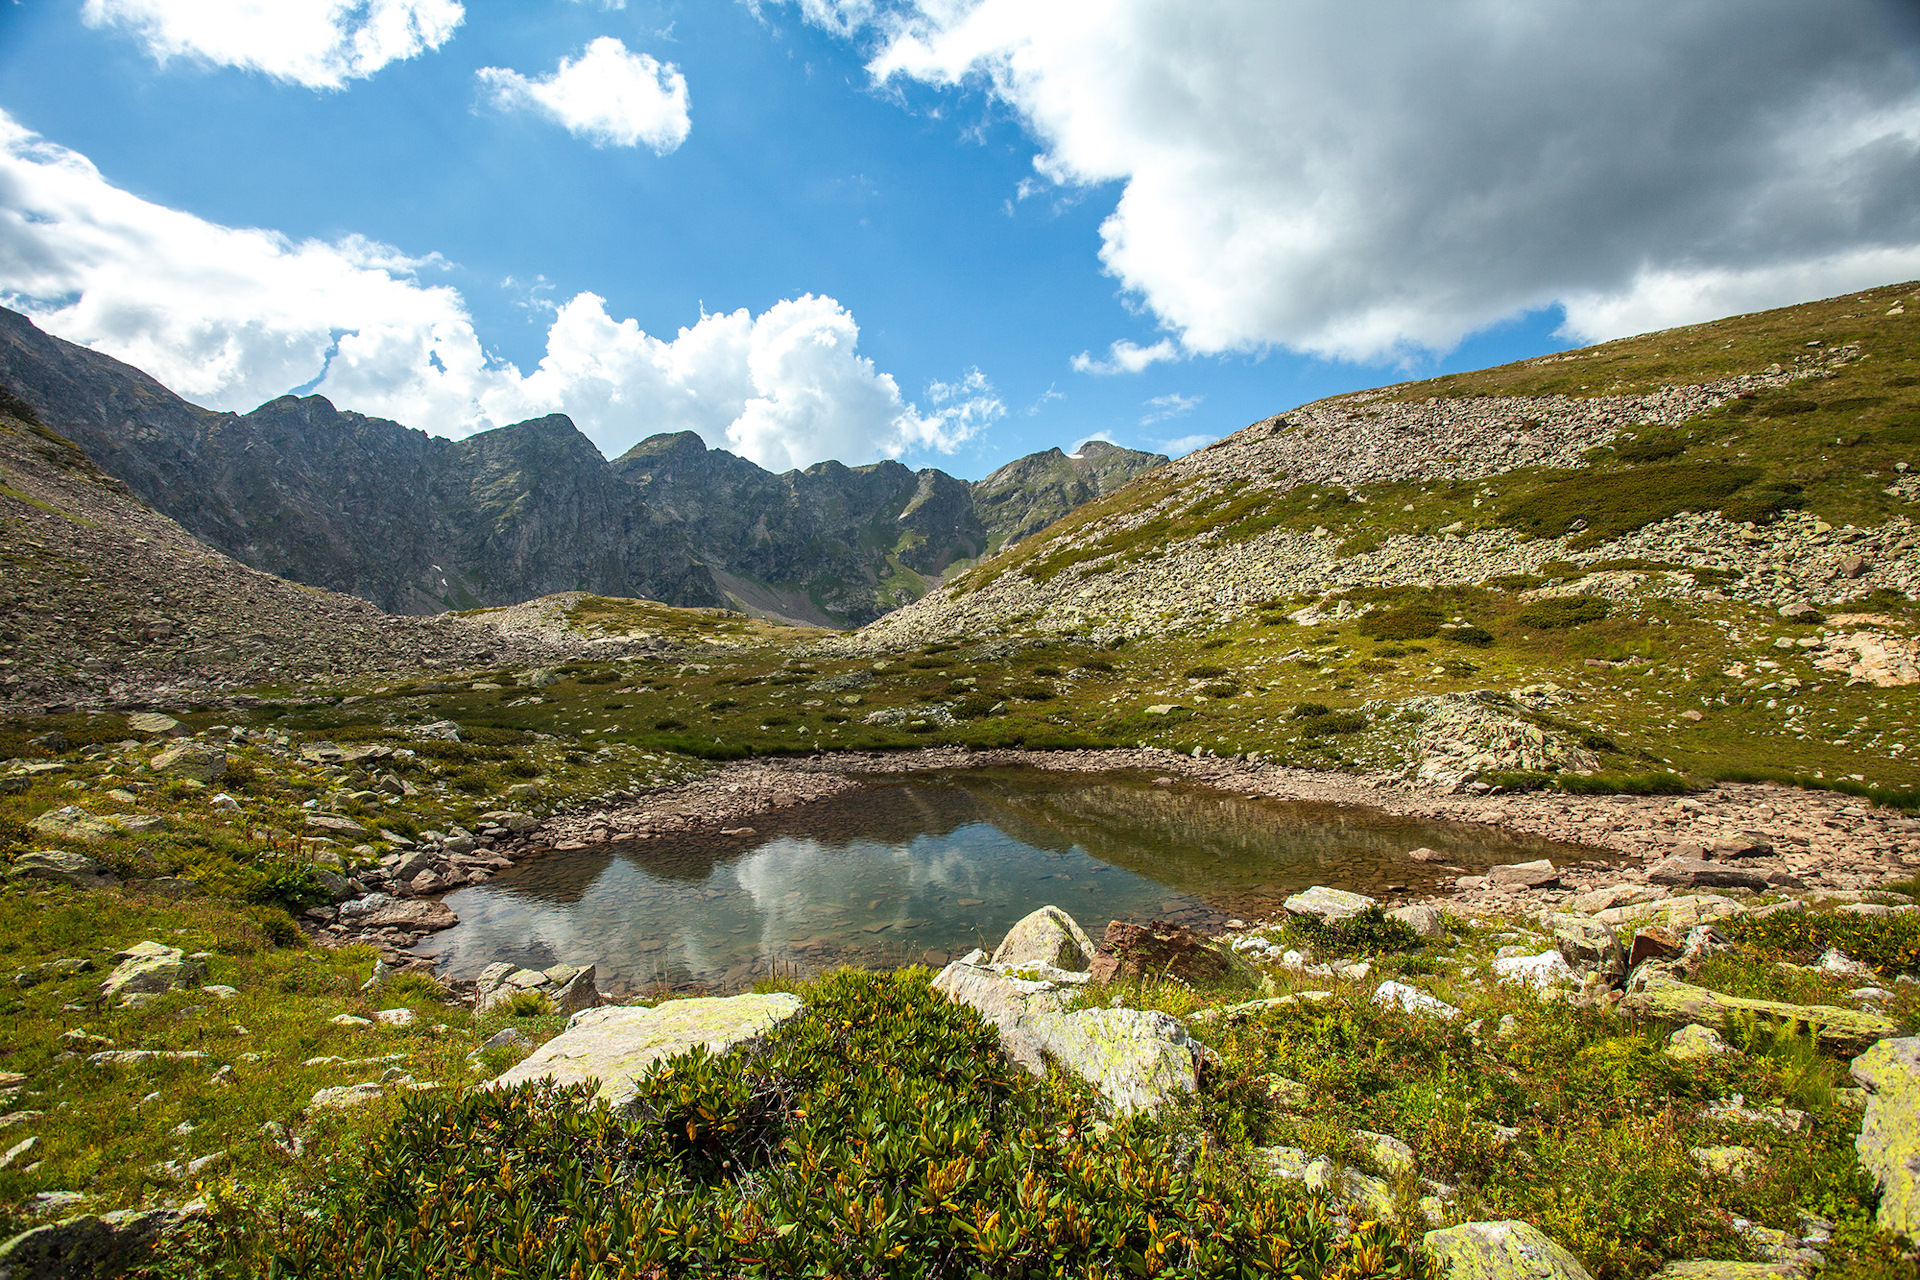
column 418, row 524
column 1762, row 458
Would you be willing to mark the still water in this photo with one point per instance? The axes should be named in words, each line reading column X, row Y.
column 920, row 869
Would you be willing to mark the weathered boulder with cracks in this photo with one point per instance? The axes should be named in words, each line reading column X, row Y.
column 1889, row 1141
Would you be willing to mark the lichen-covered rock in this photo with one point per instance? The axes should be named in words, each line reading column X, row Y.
column 617, row 1046
column 1691, row 1042
column 60, row 867
column 1009, row 1003
column 1464, row 735
column 192, row 760
column 1678, row 914
column 1428, row 922
column 1704, row 1269
column 1136, row 1059
column 149, row 968
column 86, row 1247
column 1843, row 1029
column 1501, row 1251
column 1588, row 944
column 1736, row 1164
column 1050, row 937
column 1328, row 904
column 1372, row 1196
column 70, row 822
column 1889, row 1141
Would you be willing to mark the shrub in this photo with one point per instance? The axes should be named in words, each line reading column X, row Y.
column 1370, row 933
column 1608, row 504
column 526, row 1004
column 1205, row 673
column 669, row 725
column 1221, row 689
column 1100, row 665
column 415, row 986
column 1033, row 692
column 279, row 927
column 1407, row 622
column 285, row 882
column 1650, row 448
column 1305, row 710
column 1470, row 635
column 1554, row 613
column 928, row 664
column 1046, row 670
column 880, row 1133
column 722, row 704
column 1889, row 944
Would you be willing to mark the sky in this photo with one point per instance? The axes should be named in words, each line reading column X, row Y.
column 947, row 231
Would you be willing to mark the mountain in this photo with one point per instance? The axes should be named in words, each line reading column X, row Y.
column 420, row 524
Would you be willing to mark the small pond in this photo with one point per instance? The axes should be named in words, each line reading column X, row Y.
column 921, row 868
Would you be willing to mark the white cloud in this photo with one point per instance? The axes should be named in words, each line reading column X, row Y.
column 1372, row 181
column 230, row 317
column 608, row 95
column 321, row 44
column 1185, row 444
column 1160, row 408
column 1126, row 357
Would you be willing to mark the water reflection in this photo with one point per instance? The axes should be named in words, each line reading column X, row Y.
column 920, row 869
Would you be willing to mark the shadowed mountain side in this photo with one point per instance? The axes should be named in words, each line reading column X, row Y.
column 420, row 524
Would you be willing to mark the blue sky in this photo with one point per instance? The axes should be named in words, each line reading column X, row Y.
column 1238, row 194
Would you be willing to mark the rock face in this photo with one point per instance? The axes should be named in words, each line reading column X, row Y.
column 618, row 1046
column 1664, row 997
column 420, row 524
column 1047, row 937
column 1889, row 1141
column 1501, row 1251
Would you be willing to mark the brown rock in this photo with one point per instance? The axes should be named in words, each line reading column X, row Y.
column 1652, row 944
column 1158, row 950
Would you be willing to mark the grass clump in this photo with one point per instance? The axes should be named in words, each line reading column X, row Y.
column 1554, row 613
column 1406, row 622
column 879, row 1133
column 1601, row 505
column 1370, row 933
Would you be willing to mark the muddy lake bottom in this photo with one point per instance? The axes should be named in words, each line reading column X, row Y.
column 920, row 869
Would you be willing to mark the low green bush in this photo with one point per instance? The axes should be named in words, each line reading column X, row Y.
column 1205, row 672
column 1553, row 613
column 1889, row 944
column 880, row 1133
column 1370, row 933
column 1406, row 622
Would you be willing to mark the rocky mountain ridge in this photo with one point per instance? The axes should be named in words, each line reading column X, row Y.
column 419, row 524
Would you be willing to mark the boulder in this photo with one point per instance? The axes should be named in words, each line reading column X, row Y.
column 1372, row 1196
column 1524, row 875
column 1678, row 914
column 1889, row 1141
column 1135, row 1059
column 1048, row 937
column 618, row 1046
column 1328, row 904
column 148, row 968
column 573, row 989
column 1501, row 1251
column 1692, row 1042
column 1736, row 1164
column 342, row 1097
column 336, row 823
column 1162, row 950
column 152, row 722
column 60, row 867
column 1616, row 895
column 1652, row 944
column 1837, row 1028
column 1548, row 969
column 1693, row 873
column 70, row 822
column 1428, row 922
column 377, row 911
column 1413, row 1000
column 1703, row 1269
column 1008, row 1003
column 195, row 761
column 1586, row 944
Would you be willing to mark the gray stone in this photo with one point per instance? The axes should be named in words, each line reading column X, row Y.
column 1587, row 944
column 1048, row 936
column 1413, row 1000
column 149, row 968
column 152, row 722
column 577, row 992
column 1889, row 1141
column 617, row 1046
column 336, row 823
column 1008, row 1003
column 1428, row 922
column 1501, row 1251
column 70, row 822
column 195, row 761
column 345, row 1096
column 1136, row 1060
column 60, row 867
column 1692, row 1042
column 87, row 1247
column 1538, row 874
column 1328, row 904
column 1694, row 873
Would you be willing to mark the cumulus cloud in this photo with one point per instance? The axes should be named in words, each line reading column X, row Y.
column 230, row 317
column 608, row 95
column 321, row 44
column 1160, row 408
column 1185, row 444
column 1374, row 181
column 1126, row 357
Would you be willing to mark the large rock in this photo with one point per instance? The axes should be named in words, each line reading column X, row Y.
column 1889, row 1141
column 1413, row 1000
column 619, row 1046
column 1162, row 950
column 377, row 911
column 1328, row 904
column 1047, row 937
column 70, row 822
column 1704, row 1269
column 1842, row 1029
column 1135, row 1059
column 1678, row 914
column 149, row 968
column 1587, row 944
column 1693, row 873
column 1372, row 1196
column 192, row 760
column 1009, row 1003
column 1547, row 969
column 60, row 867
column 566, row 988
column 1538, row 874
column 1501, row 1251
column 152, row 722
column 1428, row 922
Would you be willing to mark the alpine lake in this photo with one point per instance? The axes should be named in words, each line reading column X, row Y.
column 922, row 868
